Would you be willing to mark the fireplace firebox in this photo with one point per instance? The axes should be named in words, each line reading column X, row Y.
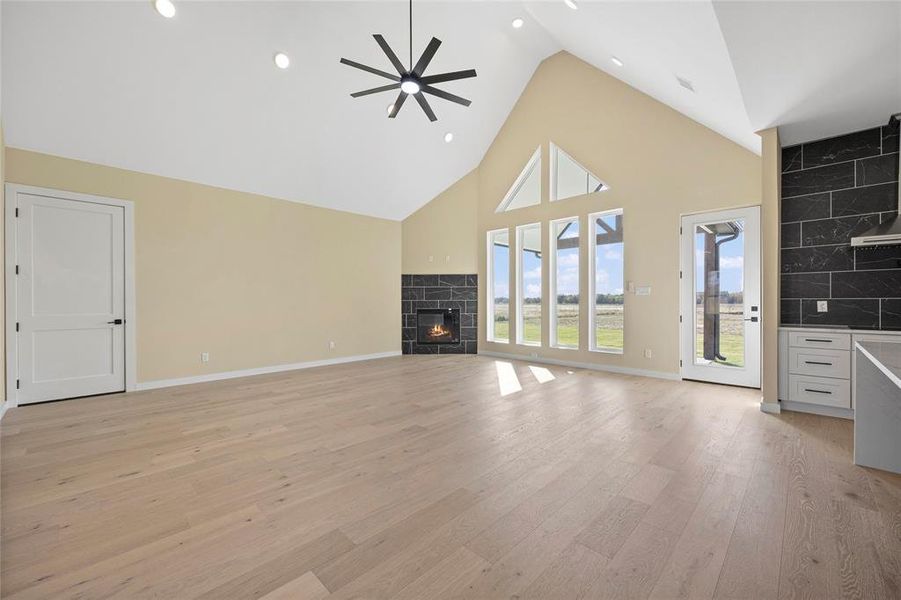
column 438, row 326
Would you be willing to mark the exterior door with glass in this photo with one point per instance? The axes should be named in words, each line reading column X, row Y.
column 720, row 308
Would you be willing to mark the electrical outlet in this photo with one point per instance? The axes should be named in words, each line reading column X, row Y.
column 205, row 357
column 648, row 353
column 431, row 258
column 331, row 345
column 822, row 306
column 533, row 354
column 447, row 258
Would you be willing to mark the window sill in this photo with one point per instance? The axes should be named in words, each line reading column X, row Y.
column 607, row 351
column 530, row 344
column 561, row 347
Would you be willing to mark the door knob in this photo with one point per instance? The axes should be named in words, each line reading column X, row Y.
column 115, row 322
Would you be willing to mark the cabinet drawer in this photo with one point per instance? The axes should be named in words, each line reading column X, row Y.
column 803, row 339
column 820, row 390
column 822, row 363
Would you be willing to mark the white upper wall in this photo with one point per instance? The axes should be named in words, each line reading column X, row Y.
column 197, row 97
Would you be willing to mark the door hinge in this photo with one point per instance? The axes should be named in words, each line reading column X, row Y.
column 17, row 384
column 680, row 274
column 680, row 318
column 680, row 363
column 17, row 211
column 17, row 269
column 680, row 231
column 17, row 326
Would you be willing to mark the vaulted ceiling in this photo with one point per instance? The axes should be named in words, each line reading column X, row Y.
column 197, row 97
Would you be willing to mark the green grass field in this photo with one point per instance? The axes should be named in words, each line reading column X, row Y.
column 610, row 328
column 609, row 320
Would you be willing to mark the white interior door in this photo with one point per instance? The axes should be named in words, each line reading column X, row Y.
column 70, row 298
column 721, row 297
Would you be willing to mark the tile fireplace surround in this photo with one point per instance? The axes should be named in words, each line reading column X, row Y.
column 440, row 291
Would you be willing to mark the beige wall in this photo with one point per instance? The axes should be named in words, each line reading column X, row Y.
column 441, row 236
column 659, row 165
column 252, row 280
column 771, row 194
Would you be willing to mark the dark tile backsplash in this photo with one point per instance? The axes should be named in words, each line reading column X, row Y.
column 440, row 291
column 832, row 190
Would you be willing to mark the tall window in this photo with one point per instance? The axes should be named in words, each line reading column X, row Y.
column 606, row 278
column 564, row 309
column 498, row 286
column 528, row 284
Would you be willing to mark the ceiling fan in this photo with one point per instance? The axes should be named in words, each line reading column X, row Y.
column 412, row 81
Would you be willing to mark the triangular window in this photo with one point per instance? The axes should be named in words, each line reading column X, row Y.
column 569, row 178
column 526, row 190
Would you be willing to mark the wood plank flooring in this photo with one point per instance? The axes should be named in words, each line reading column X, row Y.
column 415, row 478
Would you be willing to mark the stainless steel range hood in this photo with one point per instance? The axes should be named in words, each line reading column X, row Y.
column 888, row 233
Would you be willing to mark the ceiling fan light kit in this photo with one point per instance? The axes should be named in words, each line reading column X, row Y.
column 412, row 81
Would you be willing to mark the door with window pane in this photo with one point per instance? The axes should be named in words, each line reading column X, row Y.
column 721, row 297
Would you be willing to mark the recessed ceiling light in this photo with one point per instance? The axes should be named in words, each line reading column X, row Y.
column 448, row 137
column 281, row 60
column 616, row 61
column 572, row 4
column 165, row 8
column 517, row 23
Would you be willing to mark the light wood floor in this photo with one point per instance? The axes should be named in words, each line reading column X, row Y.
column 415, row 478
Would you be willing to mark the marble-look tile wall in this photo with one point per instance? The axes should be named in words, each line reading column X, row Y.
column 440, row 291
column 832, row 190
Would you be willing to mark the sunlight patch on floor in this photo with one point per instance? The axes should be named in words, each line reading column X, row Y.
column 506, row 378
column 541, row 374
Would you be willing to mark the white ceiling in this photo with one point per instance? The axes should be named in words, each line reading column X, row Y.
column 198, row 98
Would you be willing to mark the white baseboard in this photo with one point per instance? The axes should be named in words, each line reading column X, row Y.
column 826, row 411
column 589, row 366
column 163, row 383
column 772, row 408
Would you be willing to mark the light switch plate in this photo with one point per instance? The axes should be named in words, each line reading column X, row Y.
column 643, row 290
column 822, row 306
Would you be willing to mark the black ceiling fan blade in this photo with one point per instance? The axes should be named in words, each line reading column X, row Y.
column 357, row 65
column 390, row 53
column 445, row 95
column 384, row 88
column 442, row 77
column 395, row 108
column 424, row 104
column 426, row 57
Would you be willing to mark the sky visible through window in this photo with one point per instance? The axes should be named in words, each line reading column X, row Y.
column 731, row 264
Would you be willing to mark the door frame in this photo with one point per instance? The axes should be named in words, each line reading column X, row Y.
column 686, row 308
column 11, row 246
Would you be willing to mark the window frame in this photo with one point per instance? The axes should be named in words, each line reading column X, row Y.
column 552, row 282
column 533, row 163
column 555, row 150
column 592, row 281
column 520, row 295
column 489, row 297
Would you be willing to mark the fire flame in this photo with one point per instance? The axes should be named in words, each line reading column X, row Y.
column 438, row 331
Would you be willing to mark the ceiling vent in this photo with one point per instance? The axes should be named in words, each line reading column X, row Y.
column 685, row 83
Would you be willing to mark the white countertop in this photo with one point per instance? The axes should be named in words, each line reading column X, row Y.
column 886, row 356
column 827, row 329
